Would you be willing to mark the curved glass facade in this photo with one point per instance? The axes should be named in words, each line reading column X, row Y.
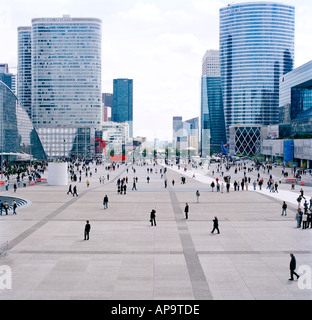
column 17, row 134
column 256, row 49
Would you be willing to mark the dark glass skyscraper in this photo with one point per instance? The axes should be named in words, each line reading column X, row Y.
column 212, row 113
column 256, row 49
column 123, row 102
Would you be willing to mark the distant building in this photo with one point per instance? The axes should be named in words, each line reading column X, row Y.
column 186, row 134
column 116, row 137
column 107, row 105
column 123, row 102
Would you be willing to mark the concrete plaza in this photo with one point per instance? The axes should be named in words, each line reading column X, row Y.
column 128, row 259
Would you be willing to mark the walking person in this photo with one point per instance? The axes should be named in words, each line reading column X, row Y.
column 304, row 220
column 105, row 202
column 299, row 218
column 215, row 225
column 299, row 201
column 186, row 210
column 15, row 187
column 284, row 208
column 88, row 183
column 75, row 191
column 6, row 207
column 14, row 205
column 70, row 189
column 1, row 207
column 197, row 195
column 292, row 267
column 87, row 230
column 153, row 218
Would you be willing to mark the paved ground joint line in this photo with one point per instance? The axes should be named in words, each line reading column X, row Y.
column 198, row 279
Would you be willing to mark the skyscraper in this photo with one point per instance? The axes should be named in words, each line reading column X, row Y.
column 66, row 83
column 123, row 102
column 24, row 68
column 256, row 48
column 212, row 113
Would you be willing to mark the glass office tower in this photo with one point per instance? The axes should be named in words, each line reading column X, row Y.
column 212, row 113
column 24, row 68
column 66, row 84
column 123, row 102
column 256, row 49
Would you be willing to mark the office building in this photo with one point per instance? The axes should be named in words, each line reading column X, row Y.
column 6, row 77
column 256, row 49
column 107, row 105
column 24, row 68
column 18, row 137
column 212, row 113
column 66, row 84
column 295, row 93
column 116, row 137
column 185, row 134
column 123, row 102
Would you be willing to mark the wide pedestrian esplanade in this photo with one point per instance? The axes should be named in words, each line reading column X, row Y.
column 127, row 258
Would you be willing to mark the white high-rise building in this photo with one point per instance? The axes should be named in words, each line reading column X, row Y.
column 211, row 63
column 66, row 84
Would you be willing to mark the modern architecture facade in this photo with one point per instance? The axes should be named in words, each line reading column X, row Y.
column 185, row 134
column 107, row 105
column 6, row 77
column 24, row 68
column 116, row 137
column 17, row 134
column 66, row 84
column 245, row 140
column 256, row 49
column 212, row 114
column 295, row 93
column 123, row 102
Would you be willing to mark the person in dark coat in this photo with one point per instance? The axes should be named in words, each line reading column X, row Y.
column 87, row 230
column 105, row 202
column 186, row 210
column 75, row 191
column 215, row 225
column 292, row 268
column 153, row 218
column 70, row 189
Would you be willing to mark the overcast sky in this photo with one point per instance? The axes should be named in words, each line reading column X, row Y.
column 157, row 43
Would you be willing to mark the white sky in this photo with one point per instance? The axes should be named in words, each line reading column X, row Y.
column 157, row 43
